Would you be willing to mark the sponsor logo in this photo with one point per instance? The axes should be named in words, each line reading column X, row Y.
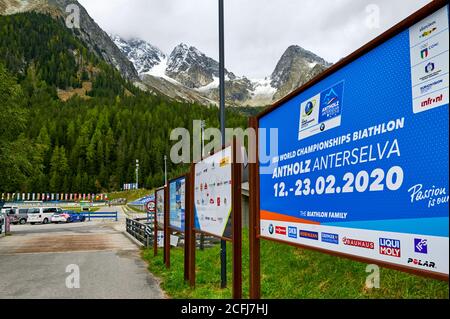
column 309, row 113
column 421, row 246
column 422, row 263
column 424, row 53
column 309, row 108
column 431, row 100
column 280, row 230
column 430, row 67
column 224, row 161
column 330, row 238
column 271, row 229
column 427, row 48
column 292, row 232
column 390, row 247
column 322, row 127
column 358, row 243
column 428, row 87
column 428, row 32
column 309, row 234
column 331, row 103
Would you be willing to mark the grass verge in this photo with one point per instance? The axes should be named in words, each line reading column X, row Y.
column 289, row 272
column 130, row 195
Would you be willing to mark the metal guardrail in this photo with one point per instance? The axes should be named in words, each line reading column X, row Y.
column 94, row 215
column 143, row 232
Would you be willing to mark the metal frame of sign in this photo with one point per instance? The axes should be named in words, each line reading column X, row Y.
column 199, row 231
column 254, row 180
column 236, row 218
column 157, row 226
column 168, row 228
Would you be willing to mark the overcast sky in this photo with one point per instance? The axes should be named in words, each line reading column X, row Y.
column 257, row 32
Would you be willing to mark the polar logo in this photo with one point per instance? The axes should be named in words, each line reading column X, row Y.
column 422, row 263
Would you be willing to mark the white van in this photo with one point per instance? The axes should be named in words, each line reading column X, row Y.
column 42, row 214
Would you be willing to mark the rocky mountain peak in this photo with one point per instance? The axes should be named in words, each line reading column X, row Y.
column 191, row 67
column 296, row 67
column 142, row 54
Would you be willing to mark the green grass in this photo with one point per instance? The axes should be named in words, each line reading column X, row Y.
column 135, row 209
column 78, row 209
column 289, row 272
column 130, row 195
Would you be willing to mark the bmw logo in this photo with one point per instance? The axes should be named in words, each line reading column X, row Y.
column 271, row 229
column 309, row 108
column 322, row 127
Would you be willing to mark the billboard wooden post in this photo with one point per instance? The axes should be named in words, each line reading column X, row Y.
column 155, row 236
column 187, row 232
column 166, row 228
column 155, row 227
column 255, row 273
column 237, row 220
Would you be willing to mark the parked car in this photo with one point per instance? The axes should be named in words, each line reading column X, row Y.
column 2, row 222
column 68, row 216
column 42, row 214
column 76, row 217
column 7, row 209
column 18, row 216
column 60, row 218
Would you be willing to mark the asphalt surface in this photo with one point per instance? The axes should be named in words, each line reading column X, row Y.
column 43, row 261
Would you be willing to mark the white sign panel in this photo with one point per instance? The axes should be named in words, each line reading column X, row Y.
column 429, row 62
column 160, row 207
column 212, row 194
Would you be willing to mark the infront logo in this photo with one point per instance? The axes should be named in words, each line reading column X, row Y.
column 431, row 101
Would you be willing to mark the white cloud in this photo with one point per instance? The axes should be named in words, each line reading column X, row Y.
column 257, row 31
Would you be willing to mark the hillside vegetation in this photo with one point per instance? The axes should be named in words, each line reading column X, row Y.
column 82, row 145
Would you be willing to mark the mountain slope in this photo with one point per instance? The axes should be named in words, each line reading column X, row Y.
column 296, row 67
column 192, row 68
column 143, row 55
column 189, row 73
column 92, row 35
column 42, row 53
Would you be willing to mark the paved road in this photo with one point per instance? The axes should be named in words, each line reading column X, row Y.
column 34, row 261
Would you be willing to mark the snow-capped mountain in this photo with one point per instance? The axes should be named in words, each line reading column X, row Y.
column 142, row 54
column 192, row 68
column 189, row 73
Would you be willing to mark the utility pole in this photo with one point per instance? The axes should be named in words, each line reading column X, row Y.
column 223, row 243
column 137, row 174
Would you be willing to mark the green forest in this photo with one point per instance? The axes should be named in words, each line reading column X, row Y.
column 86, row 144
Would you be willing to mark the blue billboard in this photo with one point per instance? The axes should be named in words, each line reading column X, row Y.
column 362, row 157
column 177, row 203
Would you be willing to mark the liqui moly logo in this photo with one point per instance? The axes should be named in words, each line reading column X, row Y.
column 390, row 247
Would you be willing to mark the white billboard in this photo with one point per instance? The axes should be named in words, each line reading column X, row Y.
column 212, row 193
